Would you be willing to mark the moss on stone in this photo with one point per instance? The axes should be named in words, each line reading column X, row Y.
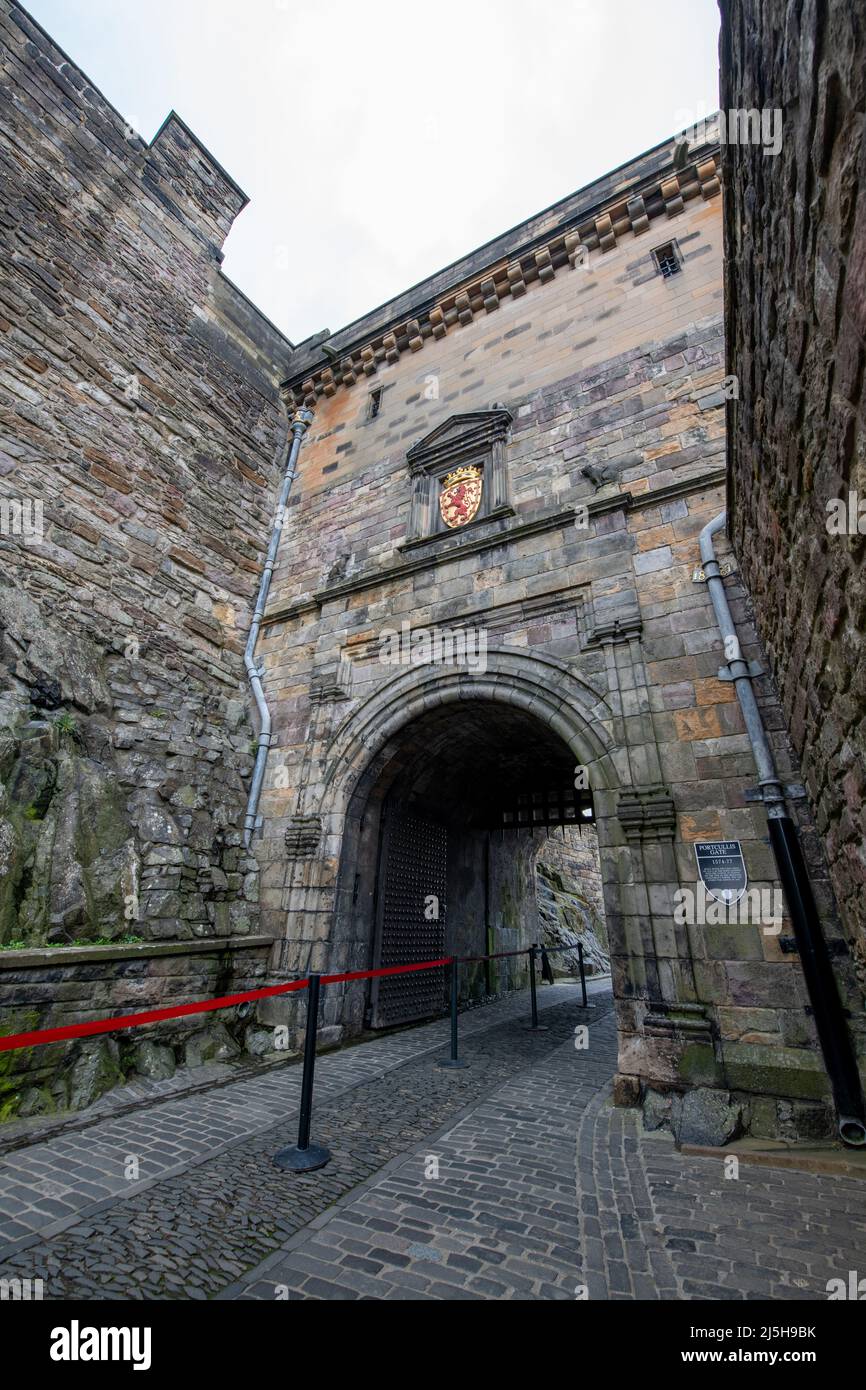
column 13, row 1065
column 776, row 1071
column 698, row 1066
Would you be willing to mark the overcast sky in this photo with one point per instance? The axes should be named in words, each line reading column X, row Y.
column 379, row 141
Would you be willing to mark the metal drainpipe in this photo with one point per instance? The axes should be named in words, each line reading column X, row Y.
column 300, row 422
column 827, row 1009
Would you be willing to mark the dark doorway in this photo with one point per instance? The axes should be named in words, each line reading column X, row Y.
column 447, row 825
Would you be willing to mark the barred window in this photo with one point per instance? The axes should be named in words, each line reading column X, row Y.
column 668, row 259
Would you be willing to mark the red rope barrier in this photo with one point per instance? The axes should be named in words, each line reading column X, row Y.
column 389, row 970
column 120, row 1021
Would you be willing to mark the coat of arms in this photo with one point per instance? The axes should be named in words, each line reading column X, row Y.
column 460, row 497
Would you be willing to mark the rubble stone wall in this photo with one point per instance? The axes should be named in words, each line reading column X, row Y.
column 69, row 985
column 795, row 241
column 143, row 438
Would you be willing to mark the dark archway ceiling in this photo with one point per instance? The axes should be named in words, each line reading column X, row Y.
column 486, row 764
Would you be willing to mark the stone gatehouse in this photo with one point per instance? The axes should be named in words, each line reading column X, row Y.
column 574, row 367
column 488, row 619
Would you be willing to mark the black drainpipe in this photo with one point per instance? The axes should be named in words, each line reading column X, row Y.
column 820, row 981
column 826, row 1005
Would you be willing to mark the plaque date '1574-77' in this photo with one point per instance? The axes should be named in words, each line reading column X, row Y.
column 722, row 868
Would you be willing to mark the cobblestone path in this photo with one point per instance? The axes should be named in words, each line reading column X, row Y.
column 209, row 1203
column 53, row 1182
column 514, row 1178
column 510, row 1214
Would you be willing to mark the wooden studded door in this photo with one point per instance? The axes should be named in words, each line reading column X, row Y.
column 410, row 919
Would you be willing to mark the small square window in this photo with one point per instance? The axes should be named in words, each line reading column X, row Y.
column 668, row 259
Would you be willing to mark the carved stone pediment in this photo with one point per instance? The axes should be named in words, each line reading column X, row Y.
column 460, row 438
column 475, row 441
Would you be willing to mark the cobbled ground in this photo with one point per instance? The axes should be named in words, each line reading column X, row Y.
column 513, row 1178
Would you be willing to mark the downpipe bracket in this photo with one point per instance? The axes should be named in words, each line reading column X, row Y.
column 794, row 791
column 751, row 673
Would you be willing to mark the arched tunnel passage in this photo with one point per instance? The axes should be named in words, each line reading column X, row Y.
column 440, row 850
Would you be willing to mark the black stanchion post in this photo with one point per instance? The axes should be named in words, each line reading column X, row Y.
column 533, row 992
column 453, row 1060
column 534, row 1026
column 305, row 1157
column 582, row 972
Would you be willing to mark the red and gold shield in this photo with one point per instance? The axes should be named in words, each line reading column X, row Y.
column 460, row 497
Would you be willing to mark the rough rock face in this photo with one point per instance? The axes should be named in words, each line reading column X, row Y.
column 143, row 441
column 708, row 1117
column 570, row 903
column 795, row 242
column 142, row 420
column 98, row 839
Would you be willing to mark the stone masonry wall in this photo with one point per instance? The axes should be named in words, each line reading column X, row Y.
column 606, row 336
column 143, row 428
column 141, row 412
column 618, row 372
column 795, row 234
column 612, row 366
column 68, row 985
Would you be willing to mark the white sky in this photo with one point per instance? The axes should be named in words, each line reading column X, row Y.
column 380, row 140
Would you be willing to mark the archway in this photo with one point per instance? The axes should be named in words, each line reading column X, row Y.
column 440, row 789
